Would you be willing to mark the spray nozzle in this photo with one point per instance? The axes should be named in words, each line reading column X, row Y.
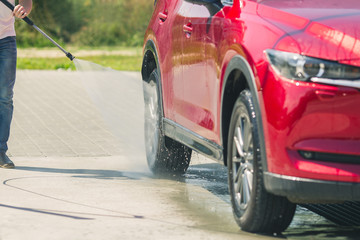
column 70, row 56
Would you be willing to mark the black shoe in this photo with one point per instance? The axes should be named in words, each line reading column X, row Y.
column 5, row 161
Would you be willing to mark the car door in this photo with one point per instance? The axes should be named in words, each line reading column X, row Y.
column 198, row 102
column 169, row 32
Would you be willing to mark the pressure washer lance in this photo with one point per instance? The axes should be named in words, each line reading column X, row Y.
column 28, row 21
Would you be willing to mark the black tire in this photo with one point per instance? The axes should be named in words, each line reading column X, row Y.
column 164, row 155
column 255, row 210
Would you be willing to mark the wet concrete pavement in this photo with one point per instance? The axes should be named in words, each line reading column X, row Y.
column 77, row 142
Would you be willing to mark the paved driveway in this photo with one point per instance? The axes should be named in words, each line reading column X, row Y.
column 57, row 113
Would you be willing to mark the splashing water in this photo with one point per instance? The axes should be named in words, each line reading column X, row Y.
column 82, row 65
column 118, row 97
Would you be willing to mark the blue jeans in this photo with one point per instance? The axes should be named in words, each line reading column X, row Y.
column 8, row 55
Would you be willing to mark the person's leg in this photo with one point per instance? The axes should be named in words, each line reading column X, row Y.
column 8, row 55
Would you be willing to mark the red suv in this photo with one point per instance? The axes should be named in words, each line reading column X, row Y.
column 269, row 88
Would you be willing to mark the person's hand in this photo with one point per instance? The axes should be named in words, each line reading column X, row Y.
column 19, row 11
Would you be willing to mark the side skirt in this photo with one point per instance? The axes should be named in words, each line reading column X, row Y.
column 193, row 140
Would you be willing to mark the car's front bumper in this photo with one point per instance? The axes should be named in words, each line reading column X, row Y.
column 311, row 130
column 303, row 190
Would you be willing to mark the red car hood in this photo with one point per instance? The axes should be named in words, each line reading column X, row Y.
column 327, row 29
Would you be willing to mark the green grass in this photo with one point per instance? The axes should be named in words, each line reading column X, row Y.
column 45, row 63
column 122, row 63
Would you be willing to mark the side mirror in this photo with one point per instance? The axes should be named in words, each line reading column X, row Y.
column 236, row 9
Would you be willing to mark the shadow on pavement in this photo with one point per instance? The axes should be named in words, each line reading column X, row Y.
column 89, row 173
column 324, row 232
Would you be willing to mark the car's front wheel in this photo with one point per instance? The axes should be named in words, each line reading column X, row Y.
column 255, row 210
column 164, row 155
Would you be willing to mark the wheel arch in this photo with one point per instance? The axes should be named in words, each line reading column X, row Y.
column 239, row 76
column 150, row 60
column 149, row 64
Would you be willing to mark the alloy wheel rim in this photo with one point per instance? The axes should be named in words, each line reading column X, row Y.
column 242, row 161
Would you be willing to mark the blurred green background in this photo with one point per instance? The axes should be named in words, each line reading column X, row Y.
column 85, row 24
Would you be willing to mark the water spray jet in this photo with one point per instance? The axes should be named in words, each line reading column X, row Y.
column 31, row 23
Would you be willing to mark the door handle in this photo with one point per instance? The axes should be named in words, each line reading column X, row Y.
column 163, row 16
column 188, row 28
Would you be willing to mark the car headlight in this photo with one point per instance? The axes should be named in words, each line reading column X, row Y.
column 302, row 68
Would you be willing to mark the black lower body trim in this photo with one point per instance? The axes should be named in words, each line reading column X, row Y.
column 192, row 140
column 302, row 190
